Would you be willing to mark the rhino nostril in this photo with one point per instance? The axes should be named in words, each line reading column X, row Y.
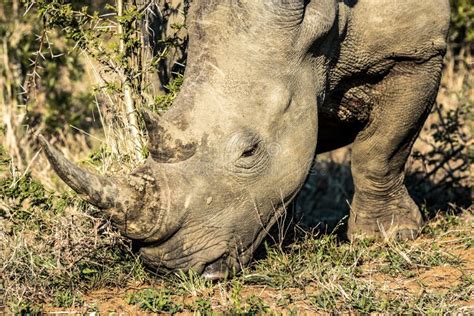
column 216, row 271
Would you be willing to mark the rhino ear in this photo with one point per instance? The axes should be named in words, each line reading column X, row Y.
column 313, row 18
column 319, row 19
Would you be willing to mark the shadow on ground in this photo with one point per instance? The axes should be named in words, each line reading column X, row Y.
column 323, row 205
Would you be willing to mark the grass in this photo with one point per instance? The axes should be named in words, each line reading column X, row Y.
column 155, row 301
column 54, row 250
column 58, row 255
column 322, row 274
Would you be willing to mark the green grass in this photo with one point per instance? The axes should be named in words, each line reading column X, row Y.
column 156, row 301
column 56, row 252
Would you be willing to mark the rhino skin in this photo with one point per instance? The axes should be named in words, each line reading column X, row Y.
column 269, row 84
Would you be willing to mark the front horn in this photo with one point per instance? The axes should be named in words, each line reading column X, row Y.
column 99, row 191
column 126, row 201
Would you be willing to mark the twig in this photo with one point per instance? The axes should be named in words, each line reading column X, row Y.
column 131, row 111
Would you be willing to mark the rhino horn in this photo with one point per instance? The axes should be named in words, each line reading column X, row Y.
column 167, row 142
column 152, row 121
column 100, row 191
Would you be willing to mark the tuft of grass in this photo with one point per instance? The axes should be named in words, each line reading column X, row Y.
column 156, row 301
column 65, row 298
column 189, row 283
column 202, row 306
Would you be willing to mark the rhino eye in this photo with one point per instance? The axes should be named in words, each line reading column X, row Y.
column 246, row 153
column 251, row 151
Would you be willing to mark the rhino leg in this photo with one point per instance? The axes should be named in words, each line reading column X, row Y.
column 381, row 206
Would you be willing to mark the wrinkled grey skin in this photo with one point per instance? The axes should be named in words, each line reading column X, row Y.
column 268, row 85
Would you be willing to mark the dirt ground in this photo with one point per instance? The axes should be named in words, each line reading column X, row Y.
column 440, row 279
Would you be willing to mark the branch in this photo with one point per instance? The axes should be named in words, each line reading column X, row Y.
column 130, row 107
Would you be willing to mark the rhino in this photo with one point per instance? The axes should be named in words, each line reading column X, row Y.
column 268, row 85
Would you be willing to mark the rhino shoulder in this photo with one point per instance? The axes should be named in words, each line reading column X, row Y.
column 412, row 28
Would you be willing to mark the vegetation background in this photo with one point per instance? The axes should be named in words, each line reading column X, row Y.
column 80, row 71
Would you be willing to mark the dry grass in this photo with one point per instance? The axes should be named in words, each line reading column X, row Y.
column 54, row 247
column 319, row 275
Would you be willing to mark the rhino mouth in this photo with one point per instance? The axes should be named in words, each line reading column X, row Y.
column 220, row 260
column 223, row 267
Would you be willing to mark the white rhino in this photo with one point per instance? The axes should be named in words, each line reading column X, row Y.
column 269, row 84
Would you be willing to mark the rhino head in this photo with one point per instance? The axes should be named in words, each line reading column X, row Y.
column 236, row 146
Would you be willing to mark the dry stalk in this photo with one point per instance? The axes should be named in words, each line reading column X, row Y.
column 9, row 106
column 130, row 107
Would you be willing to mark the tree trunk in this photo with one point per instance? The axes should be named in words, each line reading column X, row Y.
column 158, row 27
